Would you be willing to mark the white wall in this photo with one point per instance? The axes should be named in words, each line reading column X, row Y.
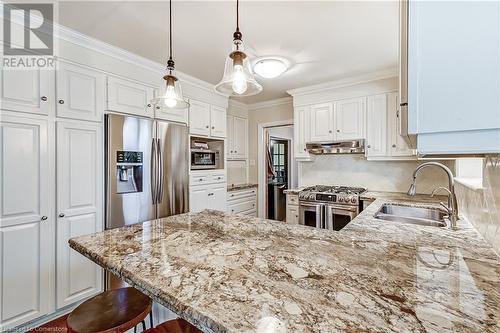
column 355, row 170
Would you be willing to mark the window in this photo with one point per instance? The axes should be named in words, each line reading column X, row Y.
column 279, row 154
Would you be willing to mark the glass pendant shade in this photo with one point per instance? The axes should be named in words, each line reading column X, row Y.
column 238, row 79
column 170, row 94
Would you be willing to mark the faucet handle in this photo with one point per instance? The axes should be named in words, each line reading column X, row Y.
column 437, row 189
column 446, row 208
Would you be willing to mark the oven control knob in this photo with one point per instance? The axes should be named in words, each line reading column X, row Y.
column 353, row 200
column 312, row 197
column 341, row 199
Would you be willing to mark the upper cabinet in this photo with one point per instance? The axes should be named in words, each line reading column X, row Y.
column 453, row 75
column 164, row 113
column 80, row 92
column 207, row 120
column 302, row 130
column 337, row 121
column 129, row 97
column 29, row 91
column 237, row 133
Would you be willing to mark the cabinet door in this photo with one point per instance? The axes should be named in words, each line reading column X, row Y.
column 80, row 92
column 376, row 130
column 199, row 118
column 198, row 198
column 177, row 115
column 348, row 122
column 240, row 137
column 301, row 124
column 27, row 90
column 292, row 214
column 26, row 223
column 397, row 146
column 217, row 122
column 230, row 137
column 217, row 198
column 129, row 97
column 79, row 207
column 322, row 122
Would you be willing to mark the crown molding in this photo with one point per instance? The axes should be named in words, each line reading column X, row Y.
column 238, row 104
column 346, row 82
column 271, row 103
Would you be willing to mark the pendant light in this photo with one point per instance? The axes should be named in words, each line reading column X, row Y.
column 170, row 95
column 238, row 79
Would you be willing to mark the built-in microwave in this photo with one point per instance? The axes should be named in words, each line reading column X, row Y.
column 204, row 159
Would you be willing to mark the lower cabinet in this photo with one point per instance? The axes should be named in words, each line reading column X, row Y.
column 27, row 234
column 207, row 191
column 79, row 207
column 292, row 208
column 242, row 202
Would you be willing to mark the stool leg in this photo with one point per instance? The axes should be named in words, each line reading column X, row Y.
column 151, row 319
column 135, row 329
column 143, row 325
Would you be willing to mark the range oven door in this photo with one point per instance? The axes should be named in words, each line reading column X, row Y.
column 338, row 216
column 312, row 214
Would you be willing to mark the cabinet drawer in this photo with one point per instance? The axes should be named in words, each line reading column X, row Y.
column 218, row 178
column 242, row 206
column 235, row 195
column 292, row 199
column 200, row 179
column 251, row 212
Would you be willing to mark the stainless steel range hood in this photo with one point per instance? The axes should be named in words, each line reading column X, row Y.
column 336, row 147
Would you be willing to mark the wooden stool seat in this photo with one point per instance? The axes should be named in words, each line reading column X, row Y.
column 113, row 311
column 174, row 326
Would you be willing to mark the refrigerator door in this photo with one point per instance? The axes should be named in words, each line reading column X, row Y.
column 173, row 159
column 128, row 148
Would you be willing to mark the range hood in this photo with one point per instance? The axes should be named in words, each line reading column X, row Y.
column 336, row 147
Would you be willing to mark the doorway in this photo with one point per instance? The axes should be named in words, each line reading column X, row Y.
column 277, row 168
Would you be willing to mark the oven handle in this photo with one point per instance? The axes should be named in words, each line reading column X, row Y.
column 343, row 207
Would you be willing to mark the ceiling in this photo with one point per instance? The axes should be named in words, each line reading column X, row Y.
column 324, row 40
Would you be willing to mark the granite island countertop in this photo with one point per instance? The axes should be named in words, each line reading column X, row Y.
column 232, row 273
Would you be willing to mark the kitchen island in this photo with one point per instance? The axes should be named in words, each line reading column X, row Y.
column 233, row 273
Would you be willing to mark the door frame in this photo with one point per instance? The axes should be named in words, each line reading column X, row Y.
column 261, row 162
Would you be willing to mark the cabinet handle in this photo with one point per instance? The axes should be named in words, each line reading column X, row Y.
column 44, row 218
column 235, row 151
column 207, row 126
column 149, row 105
column 219, row 177
column 44, row 98
column 201, row 179
column 330, row 131
column 61, row 214
column 305, row 149
column 231, row 151
column 157, row 108
column 213, row 127
column 253, row 205
column 338, row 130
column 232, row 195
column 61, row 101
column 393, row 146
column 368, row 146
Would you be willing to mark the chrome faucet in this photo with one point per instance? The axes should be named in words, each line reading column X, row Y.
column 452, row 207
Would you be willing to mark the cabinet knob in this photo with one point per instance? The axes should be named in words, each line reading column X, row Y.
column 338, row 130
column 44, row 218
column 393, row 146
column 235, row 151
column 219, row 177
column 368, row 146
column 157, row 108
column 201, row 179
column 232, row 195
column 330, row 131
column 207, row 126
column 149, row 105
column 44, row 98
column 61, row 215
column 305, row 149
column 231, row 151
column 61, row 101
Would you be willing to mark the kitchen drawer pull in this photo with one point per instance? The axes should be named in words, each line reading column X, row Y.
column 213, row 127
column 44, row 218
column 232, row 195
column 201, row 179
column 149, row 105
column 61, row 101
column 207, row 126
column 157, row 108
column 61, row 215
column 44, row 98
column 368, row 146
column 393, row 146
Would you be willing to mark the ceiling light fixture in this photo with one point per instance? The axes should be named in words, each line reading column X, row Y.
column 270, row 67
column 238, row 79
column 170, row 95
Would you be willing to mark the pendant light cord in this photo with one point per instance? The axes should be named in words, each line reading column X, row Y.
column 170, row 62
column 170, row 29
column 237, row 15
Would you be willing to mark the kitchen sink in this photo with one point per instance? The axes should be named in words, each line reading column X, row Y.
column 412, row 215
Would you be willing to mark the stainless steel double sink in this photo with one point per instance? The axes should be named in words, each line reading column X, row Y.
column 412, row 215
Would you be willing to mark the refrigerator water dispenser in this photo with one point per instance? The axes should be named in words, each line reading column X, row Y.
column 129, row 172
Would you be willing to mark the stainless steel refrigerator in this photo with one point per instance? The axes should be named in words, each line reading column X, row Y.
column 146, row 172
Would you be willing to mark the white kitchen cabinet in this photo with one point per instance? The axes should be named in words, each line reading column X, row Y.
column 237, row 134
column 217, row 197
column 207, row 197
column 177, row 115
column 348, row 119
column 129, row 97
column 79, row 207
column 292, row 214
column 322, row 122
column 27, row 223
column 29, row 91
column 376, row 129
column 242, row 201
column 302, row 130
column 199, row 118
column 454, row 82
column 80, row 92
column 217, row 121
column 397, row 147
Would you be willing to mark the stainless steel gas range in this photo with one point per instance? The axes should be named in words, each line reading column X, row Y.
column 329, row 207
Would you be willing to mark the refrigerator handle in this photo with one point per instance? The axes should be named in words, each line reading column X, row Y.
column 159, row 196
column 153, row 171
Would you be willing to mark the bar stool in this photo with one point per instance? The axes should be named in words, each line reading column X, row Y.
column 113, row 311
column 174, row 326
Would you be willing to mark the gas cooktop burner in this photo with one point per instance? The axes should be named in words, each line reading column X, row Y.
column 334, row 189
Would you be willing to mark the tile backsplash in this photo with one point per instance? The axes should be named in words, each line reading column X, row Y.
column 482, row 206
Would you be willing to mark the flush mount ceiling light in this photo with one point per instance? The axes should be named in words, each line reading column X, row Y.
column 170, row 95
column 238, row 79
column 270, row 67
